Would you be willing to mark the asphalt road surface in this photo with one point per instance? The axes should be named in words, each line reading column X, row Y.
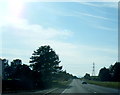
column 76, row 86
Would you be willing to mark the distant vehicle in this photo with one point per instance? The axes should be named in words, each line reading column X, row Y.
column 84, row 82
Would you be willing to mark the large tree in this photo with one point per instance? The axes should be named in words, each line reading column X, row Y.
column 87, row 76
column 116, row 71
column 104, row 74
column 45, row 61
column 16, row 62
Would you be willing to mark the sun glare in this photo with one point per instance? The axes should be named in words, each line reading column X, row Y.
column 15, row 8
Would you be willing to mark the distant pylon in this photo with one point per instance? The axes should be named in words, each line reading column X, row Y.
column 93, row 69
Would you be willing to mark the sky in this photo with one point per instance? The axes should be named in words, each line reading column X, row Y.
column 80, row 32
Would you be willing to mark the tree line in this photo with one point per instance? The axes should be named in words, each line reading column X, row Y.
column 39, row 74
column 107, row 74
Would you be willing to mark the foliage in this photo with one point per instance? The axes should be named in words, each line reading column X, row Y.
column 115, row 71
column 110, row 74
column 16, row 62
column 40, row 74
column 4, row 68
column 64, row 76
column 106, row 84
column 104, row 74
column 87, row 76
column 45, row 61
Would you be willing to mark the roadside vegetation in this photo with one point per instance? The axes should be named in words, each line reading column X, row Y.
column 108, row 77
column 115, row 85
column 42, row 72
column 61, row 84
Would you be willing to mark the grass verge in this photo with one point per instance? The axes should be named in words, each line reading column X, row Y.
column 61, row 84
column 105, row 84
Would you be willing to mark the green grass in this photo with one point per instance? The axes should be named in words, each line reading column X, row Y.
column 61, row 84
column 106, row 84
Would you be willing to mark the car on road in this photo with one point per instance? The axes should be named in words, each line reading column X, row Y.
column 84, row 82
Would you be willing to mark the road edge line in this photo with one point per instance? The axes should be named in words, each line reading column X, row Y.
column 66, row 88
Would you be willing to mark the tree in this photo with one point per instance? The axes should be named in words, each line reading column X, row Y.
column 5, row 65
column 22, row 72
column 11, row 70
column 87, row 76
column 104, row 74
column 16, row 62
column 45, row 61
column 116, row 71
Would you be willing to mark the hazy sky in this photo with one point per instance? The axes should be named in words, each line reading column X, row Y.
column 80, row 32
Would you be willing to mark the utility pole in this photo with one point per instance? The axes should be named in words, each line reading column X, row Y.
column 93, row 69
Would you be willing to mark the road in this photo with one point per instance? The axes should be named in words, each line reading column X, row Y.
column 76, row 86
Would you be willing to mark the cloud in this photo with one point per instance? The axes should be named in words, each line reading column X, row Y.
column 89, row 4
column 91, row 15
column 37, row 32
column 22, row 34
column 107, row 28
column 75, row 13
column 78, row 14
column 30, row 34
column 25, row 30
column 70, row 0
column 106, row 4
